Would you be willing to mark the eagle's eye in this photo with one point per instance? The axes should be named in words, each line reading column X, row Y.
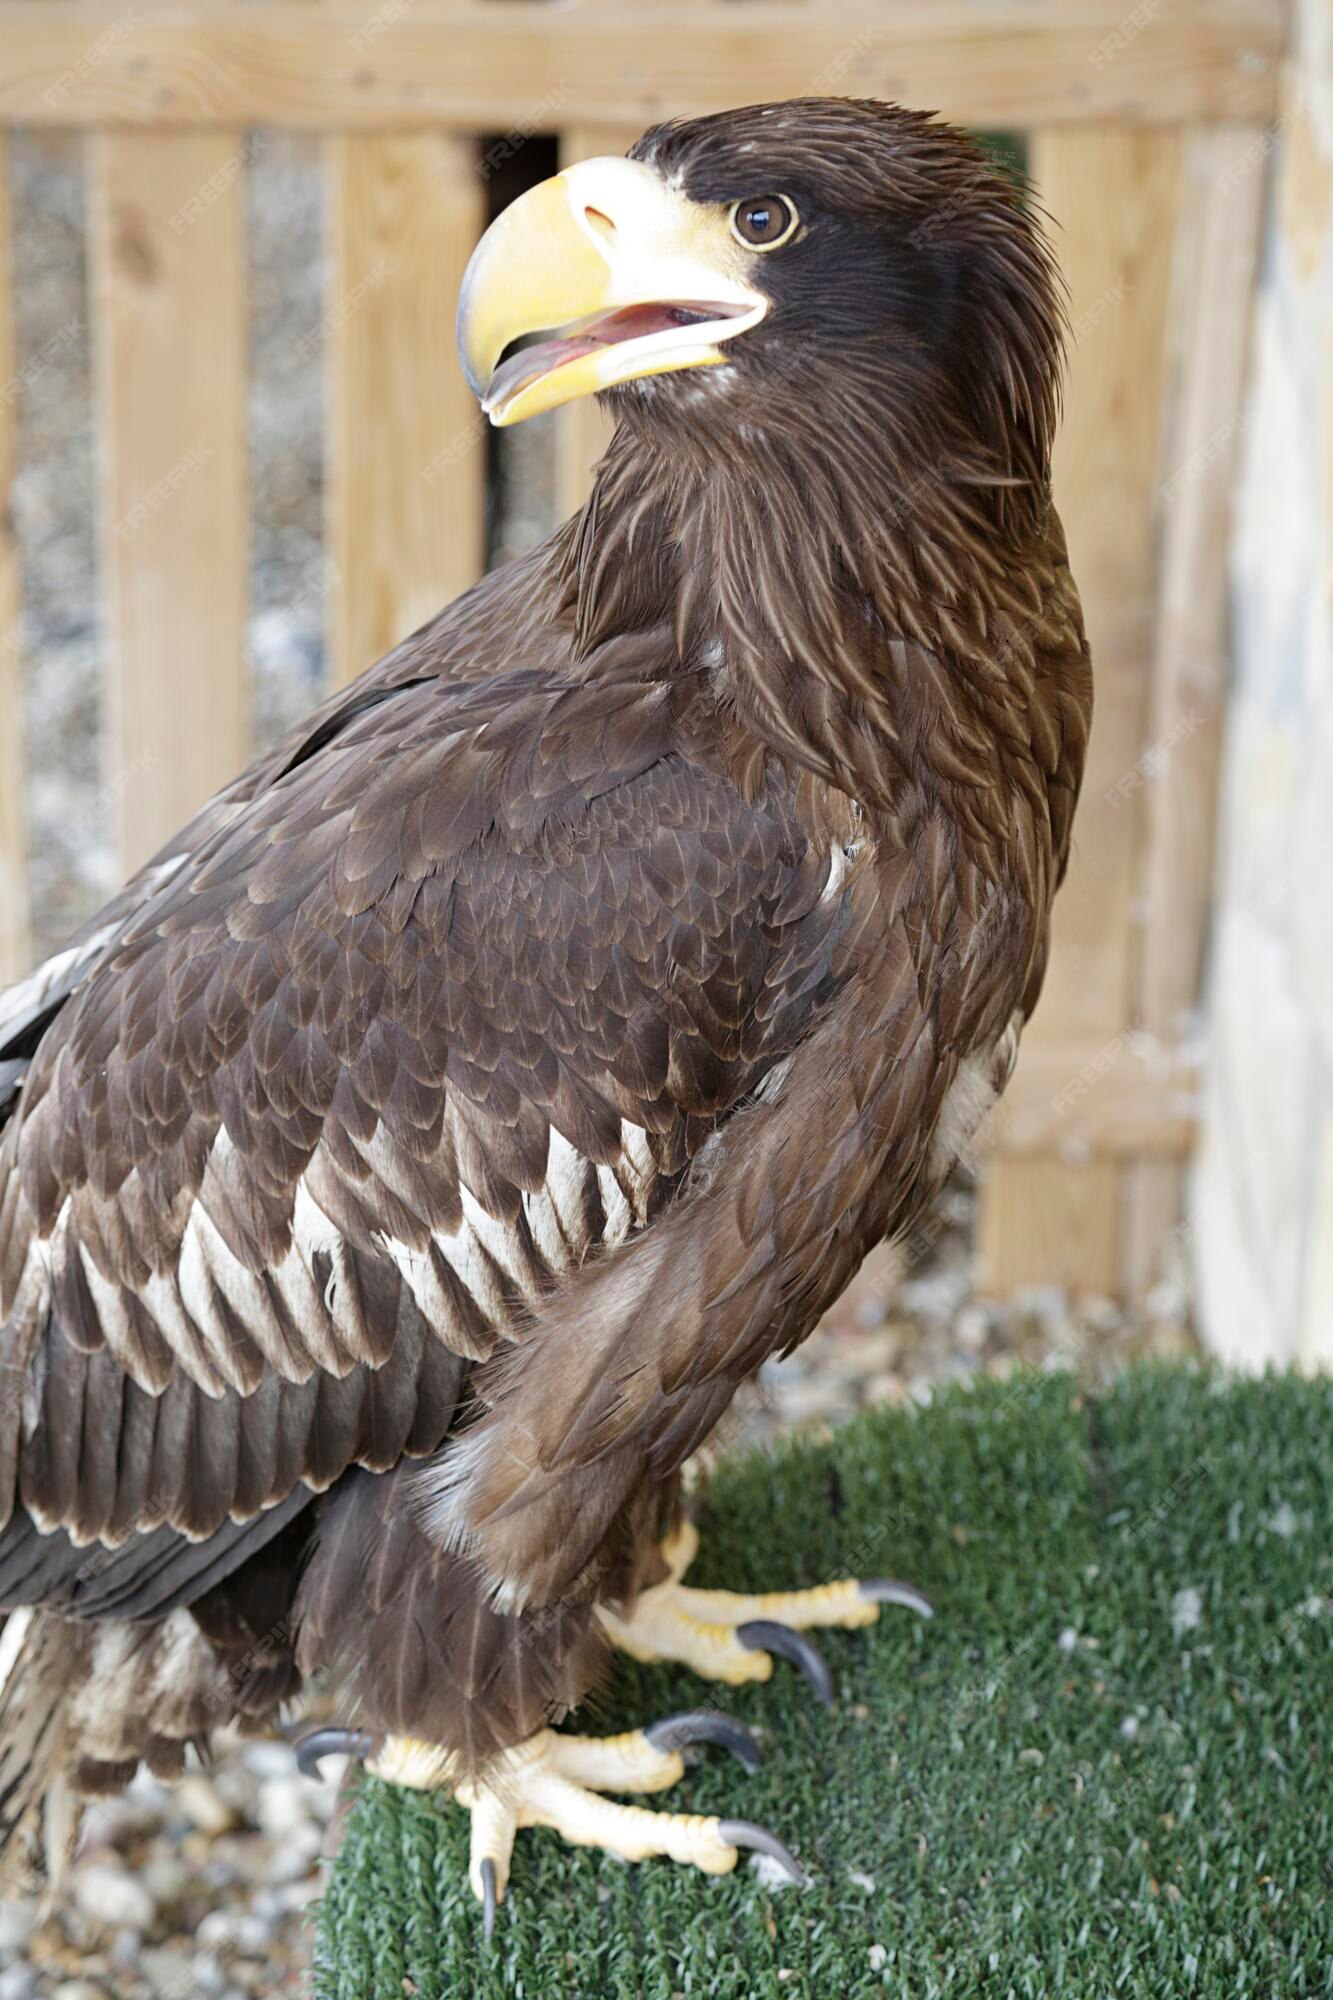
column 764, row 221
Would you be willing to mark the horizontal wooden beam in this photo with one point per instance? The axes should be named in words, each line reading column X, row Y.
column 1131, row 1097
column 524, row 66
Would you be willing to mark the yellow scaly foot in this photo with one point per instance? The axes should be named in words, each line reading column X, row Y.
column 726, row 1636
column 553, row 1780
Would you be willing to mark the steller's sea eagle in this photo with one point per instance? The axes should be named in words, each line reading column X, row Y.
column 401, row 1174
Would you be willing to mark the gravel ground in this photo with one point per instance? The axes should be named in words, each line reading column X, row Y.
column 202, row 1890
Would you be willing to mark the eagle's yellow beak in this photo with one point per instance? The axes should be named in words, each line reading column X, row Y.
column 639, row 279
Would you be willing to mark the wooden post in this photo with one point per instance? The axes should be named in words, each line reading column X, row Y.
column 167, row 257
column 583, row 430
column 1217, row 252
column 1113, row 192
column 406, row 441
column 13, row 846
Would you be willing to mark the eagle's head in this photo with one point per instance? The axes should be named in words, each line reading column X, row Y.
column 775, row 270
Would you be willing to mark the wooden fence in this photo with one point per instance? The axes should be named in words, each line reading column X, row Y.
column 1147, row 127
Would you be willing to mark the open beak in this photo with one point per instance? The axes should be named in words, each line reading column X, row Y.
column 633, row 278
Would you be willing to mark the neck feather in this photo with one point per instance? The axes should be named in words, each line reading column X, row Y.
column 799, row 567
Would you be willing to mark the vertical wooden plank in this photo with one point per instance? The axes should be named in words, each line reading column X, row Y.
column 13, row 845
column 1216, row 257
column 406, row 441
column 166, row 244
column 583, row 430
column 1113, row 192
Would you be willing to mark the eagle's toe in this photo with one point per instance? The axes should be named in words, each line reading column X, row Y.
column 732, row 1636
column 558, row 1780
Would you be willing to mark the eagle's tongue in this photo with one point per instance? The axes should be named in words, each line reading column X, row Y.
column 626, row 323
column 531, row 362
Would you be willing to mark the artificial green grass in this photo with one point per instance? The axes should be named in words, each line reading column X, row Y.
column 1076, row 1781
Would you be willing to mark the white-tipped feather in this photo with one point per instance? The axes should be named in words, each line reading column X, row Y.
column 24, row 1002
column 11, row 1642
column 619, row 1216
column 971, row 1097
column 499, row 1240
column 566, row 1179
column 249, row 1300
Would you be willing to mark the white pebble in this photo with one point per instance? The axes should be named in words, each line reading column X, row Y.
column 284, row 1804
column 1068, row 1640
column 235, row 1785
column 1169, row 1300
column 111, row 1897
column 214, row 1930
column 199, row 1800
column 971, row 1329
column 269, row 1760
column 165, row 1878
column 126, row 1946
column 151, row 1795
column 299, row 1849
column 79, row 1989
column 771, row 1872
column 18, row 1982
column 273, row 1904
column 207, row 1973
column 236, row 1930
column 17, row 1923
column 298, row 1894
column 1186, row 1610
column 166, row 1970
column 879, row 1957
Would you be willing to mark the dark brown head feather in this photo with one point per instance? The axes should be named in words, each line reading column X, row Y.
column 871, row 464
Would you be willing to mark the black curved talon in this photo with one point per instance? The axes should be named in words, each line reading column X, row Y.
column 331, row 1743
column 490, row 1898
column 766, row 1635
column 706, row 1725
column 887, row 1590
column 744, row 1833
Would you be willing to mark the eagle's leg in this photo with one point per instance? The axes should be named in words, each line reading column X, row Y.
column 727, row 1636
column 553, row 1780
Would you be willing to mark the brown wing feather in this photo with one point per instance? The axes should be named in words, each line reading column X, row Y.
column 451, row 1001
